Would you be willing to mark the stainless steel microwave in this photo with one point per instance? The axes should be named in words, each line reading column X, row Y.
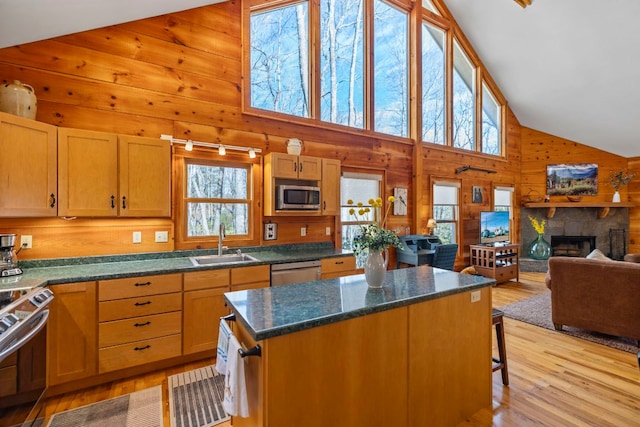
column 297, row 197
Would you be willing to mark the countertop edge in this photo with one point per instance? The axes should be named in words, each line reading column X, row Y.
column 334, row 318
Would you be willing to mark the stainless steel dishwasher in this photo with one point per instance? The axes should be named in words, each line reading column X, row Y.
column 295, row 272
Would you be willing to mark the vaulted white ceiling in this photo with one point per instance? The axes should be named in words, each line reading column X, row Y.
column 567, row 67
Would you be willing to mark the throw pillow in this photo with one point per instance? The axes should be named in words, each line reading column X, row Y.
column 469, row 270
column 597, row 254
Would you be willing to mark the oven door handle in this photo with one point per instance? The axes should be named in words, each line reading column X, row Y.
column 34, row 330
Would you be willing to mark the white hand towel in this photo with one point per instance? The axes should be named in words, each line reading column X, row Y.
column 235, row 388
column 224, row 332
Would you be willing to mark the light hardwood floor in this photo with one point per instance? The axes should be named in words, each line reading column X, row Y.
column 555, row 379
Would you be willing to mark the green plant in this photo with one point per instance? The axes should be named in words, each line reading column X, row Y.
column 373, row 235
column 620, row 178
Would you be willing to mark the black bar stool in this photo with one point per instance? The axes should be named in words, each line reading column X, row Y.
column 501, row 361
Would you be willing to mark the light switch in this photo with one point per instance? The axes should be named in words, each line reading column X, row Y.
column 137, row 237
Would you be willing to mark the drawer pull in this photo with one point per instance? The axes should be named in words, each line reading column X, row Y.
column 137, row 325
column 142, row 284
column 142, row 303
column 142, row 348
column 339, row 262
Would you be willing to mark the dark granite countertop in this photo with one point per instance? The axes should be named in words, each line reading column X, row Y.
column 270, row 312
column 82, row 269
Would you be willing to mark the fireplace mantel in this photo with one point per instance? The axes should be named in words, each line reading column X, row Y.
column 603, row 207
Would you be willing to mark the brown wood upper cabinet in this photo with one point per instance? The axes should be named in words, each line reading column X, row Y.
column 28, row 168
column 281, row 168
column 295, row 167
column 104, row 174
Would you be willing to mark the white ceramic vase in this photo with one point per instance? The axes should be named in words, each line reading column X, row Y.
column 616, row 197
column 375, row 268
column 19, row 99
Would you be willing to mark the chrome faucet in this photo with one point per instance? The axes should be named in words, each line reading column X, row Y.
column 221, row 236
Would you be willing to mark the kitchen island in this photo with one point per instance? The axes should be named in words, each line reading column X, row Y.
column 336, row 353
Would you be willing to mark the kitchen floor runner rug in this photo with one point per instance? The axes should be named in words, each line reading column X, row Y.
column 139, row 409
column 195, row 398
column 537, row 311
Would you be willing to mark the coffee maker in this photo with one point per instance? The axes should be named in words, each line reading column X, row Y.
column 8, row 261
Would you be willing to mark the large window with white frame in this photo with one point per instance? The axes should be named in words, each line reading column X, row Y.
column 446, row 206
column 217, row 193
column 503, row 199
column 359, row 188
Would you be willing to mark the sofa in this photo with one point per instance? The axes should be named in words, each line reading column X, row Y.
column 596, row 294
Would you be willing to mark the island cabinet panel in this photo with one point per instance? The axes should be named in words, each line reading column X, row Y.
column 350, row 373
column 450, row 376
column 72, row 340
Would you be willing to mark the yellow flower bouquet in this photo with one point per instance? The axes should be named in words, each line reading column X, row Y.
column 537, row 225
column 373, row 235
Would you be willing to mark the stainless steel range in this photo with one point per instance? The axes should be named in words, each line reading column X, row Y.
column 23, row 319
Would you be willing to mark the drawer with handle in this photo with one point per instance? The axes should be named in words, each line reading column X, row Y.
column 139, row 353
column 139, row 328
column 139, row 286
column 139, row 306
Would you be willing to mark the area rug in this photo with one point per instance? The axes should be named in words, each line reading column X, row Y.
column 195, row 398
column 537, row 311
column 139, row 409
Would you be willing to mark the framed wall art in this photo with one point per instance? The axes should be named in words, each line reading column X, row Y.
column 579, row 179
column 476, row 197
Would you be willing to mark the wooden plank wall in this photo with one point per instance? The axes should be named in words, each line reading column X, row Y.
column 540, row 149
column 177, row 74
column 181, row 74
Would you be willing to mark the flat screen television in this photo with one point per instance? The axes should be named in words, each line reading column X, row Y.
column 494, row 227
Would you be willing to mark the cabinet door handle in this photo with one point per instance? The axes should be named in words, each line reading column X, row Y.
column 113, row 202
column 124, row 202
column 324, row 205
column 52, row 200
column 142, row 348
column 147, row 323
column 300, row 167
column 142, row 284
column 295, row 167
column 142, row 303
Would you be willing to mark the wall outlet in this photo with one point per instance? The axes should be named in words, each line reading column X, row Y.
column 137, row 237
column 303, row 231
column 475, row 296
column 327, row 231
column 26, row 242
column 270, row 231
column 162, row 236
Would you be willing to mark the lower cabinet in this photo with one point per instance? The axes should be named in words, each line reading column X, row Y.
column 140, row 320
column 72, row 333
column 101, row 327
column 203, row 304
column 338, row 267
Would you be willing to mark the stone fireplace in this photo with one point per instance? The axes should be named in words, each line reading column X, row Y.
column 579, row 246
column 576, row 232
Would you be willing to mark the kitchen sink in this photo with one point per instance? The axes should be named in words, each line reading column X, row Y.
column 224, row 259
